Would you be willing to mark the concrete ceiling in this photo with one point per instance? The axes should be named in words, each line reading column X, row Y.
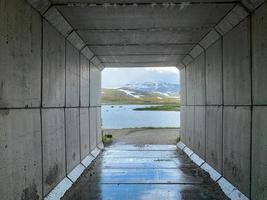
column 135, row 33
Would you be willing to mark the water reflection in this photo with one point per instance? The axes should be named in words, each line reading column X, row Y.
column 139, row 177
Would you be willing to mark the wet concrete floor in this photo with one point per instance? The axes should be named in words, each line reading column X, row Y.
column 147, row 172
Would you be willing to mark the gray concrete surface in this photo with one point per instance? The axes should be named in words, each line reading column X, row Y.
column 144, row 172
column 20, row 150
column 72, row 75
column 183, row 86
column 53, row 139
column 199, row 138
column 259, row 148
column 20, row 52
column 214, row 74
column 53, row 81
column 236, row 147
column 259, row 52
column 84, row 81
column 236, row 65
column 95, row 87
column 199, row 89
column 214, row 137
column 84, row 132
column 72, row 119
column 93, row 128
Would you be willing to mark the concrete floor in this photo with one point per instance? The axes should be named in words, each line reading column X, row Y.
column 148, row 172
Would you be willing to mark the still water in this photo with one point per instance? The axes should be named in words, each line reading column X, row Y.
column 123, row 116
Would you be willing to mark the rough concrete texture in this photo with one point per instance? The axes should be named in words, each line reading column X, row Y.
column 200, row 131
column 72, row 75
column 72, row 137
column 236, row 146
column 236, row 69
column 259, row 52
column 183, row 86
column 84, row 132
column 214, row 74
column 20, row 150
column 95, row 86
column 259, row 152
column 183, row 113
column 93, row 128
column 98, row 125
column 20, row 50
column 190, row 126
column 53, row 67
column 161, row 27
column 214, row 137
column 53, row 136
column 200, row 85
column 84, row 81
column 190, row 84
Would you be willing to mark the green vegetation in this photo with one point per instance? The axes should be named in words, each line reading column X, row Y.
column 107, row 139
column 166, row 107
column 116, row 96
column 178, row 139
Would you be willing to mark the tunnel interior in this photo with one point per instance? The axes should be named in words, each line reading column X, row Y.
column 52, row 53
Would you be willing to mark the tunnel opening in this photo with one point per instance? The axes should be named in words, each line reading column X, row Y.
column 141, row 105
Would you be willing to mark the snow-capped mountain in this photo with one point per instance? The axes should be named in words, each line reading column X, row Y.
column 164, row 88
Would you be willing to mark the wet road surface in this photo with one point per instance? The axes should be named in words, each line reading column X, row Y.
column 147, row 172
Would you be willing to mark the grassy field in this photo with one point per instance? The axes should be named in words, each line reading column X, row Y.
column 166, row 107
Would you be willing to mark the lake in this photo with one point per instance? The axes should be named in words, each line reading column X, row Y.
column 123, row 116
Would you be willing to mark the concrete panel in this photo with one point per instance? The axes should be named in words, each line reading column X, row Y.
column 53, row 67
column 84, row 132
column 20, row 50
column 183, row 86
column 259, row 59
column 84, row 79
column 72, row 138
column 98, row 125
column 236, row 147
column 72, row 76
column 53, row 131
column 93, row 128
column 20, row 154
column 190, row 126
column 199, row 131
column 183, row 123
column 190, row 84
column 259, row 152
column 214, row 74
column 200, row 85
column 236, row 60
column 95, row 86
column 214, row 137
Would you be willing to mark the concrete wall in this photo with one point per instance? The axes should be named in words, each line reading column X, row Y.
column 233, row 109
column 45, row 95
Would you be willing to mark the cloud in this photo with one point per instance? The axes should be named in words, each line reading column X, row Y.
column 117, row 77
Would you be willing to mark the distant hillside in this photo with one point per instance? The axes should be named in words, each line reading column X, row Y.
column 167, row 89
column 142, row 93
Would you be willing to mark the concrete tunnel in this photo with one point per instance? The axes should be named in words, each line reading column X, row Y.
column 51, row 56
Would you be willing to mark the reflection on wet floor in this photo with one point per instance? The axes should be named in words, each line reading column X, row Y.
column 150, row 172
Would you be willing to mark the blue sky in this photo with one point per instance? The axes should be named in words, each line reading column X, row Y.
column 117, row 77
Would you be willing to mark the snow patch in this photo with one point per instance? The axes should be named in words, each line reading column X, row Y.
column 131, row 93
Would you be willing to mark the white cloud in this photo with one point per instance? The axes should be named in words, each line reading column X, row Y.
column 163, row 69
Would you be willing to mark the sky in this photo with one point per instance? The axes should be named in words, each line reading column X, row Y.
column 118, row 77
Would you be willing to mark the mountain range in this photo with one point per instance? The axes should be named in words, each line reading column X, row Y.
column 142, row 93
